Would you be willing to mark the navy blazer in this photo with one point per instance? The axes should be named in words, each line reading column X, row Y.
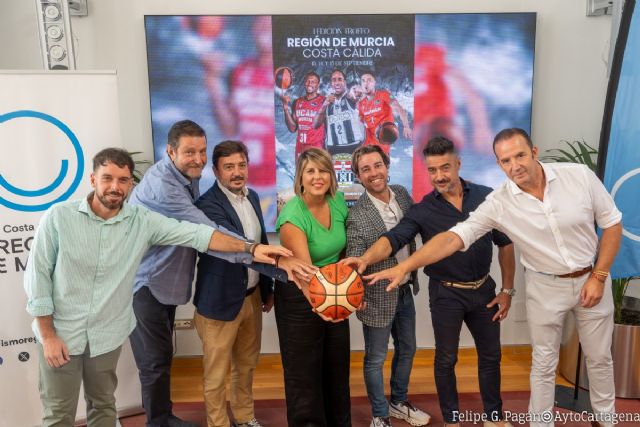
column 221, row 286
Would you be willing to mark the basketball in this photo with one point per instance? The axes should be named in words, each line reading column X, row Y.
column 387, row 133
column 283, row 77
column 336, row 291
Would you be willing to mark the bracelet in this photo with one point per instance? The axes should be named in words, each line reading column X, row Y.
column 278, row 259
column 598, row 277
column 253, row 248
column 602, row 273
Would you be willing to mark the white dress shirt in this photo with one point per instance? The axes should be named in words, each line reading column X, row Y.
column 555, row 235
column 391, row 214
column 250, row 223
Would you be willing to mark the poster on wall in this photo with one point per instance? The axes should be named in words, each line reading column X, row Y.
column 351, row 84
column 392, row 80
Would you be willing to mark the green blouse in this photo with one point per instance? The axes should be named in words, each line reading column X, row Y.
column 324, row 244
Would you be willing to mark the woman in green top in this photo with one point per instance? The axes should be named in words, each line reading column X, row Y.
column 315, row 352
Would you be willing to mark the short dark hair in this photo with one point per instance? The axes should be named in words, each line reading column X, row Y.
column 509, row 133
column 310, row 74
column 183, row 128
column 367, row 149
column 227, row 148
column 117, row 156
column 439, row 146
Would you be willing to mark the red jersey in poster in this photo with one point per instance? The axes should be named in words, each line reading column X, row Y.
column 252, row 99
column 304, row 111
column 373, row 113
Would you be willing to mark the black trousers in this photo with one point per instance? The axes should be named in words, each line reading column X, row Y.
column 152, row 345
column 450, row 307
column 315, row 357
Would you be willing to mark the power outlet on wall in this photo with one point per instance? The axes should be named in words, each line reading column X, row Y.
column 183, row 324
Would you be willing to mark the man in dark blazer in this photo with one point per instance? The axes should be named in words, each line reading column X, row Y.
column 385, row 313
column 230, row 298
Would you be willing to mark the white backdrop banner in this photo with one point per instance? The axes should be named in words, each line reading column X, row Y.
column 51, row 125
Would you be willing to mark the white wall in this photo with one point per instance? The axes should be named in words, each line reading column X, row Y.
column 569, row 82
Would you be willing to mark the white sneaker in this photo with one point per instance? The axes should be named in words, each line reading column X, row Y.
column 251, row 423
column 380, row 422
column 406, row 411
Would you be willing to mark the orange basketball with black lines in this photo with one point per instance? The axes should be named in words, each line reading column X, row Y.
column 283, row 77
column 336, row 291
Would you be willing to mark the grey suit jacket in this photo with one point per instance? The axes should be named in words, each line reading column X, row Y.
column 364, row 227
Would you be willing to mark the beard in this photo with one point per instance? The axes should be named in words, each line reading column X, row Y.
column 102, row 198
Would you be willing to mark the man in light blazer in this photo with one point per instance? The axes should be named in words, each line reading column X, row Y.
column 384, row 314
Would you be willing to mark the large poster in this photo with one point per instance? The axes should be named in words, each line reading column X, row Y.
column 51, row 125
column 392, row 80
column 360, row 67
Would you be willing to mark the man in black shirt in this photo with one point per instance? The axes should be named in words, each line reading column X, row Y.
column 460, row 287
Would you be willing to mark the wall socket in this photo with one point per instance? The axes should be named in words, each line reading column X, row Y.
column 183, row 324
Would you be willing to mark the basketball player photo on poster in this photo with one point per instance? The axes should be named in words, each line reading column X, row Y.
column 473, row 77
column 343, row 81
column 218, row 72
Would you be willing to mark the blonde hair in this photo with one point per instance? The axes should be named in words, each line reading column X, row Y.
column 320, row 157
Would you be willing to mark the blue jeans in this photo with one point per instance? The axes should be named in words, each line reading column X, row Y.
column 449, row 308
column 376, row 344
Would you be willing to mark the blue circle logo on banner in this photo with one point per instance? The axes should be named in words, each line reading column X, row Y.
column 37, row 194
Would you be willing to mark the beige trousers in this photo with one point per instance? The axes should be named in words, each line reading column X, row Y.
column 230, row 348
column 549, row 299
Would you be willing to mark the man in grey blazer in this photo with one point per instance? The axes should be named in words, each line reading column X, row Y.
column 385, row 314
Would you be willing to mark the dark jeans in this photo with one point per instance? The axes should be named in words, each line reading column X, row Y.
column 376, row 344
column 449, row 308
column 152, row 345
column 315, row 357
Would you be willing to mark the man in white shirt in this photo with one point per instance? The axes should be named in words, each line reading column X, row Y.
column 230, row 298
column 548, row 211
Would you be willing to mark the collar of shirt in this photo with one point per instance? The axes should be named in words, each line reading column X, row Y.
column 385, row 208
column 193, row 185
column 85, row 207
column 465, row 189
column 234, row 196
column 549, row 175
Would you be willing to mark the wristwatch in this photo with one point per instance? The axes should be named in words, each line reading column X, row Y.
column 250, row 247
column 511, row 292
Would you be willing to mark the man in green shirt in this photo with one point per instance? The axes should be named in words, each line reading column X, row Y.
column 79, row 281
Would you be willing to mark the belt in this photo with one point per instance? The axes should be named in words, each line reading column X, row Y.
column 466, row 285
column 250, row 291
column 577, row 273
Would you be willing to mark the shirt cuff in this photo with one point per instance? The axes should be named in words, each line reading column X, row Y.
column 611, row 220
column 40, row 307
column 203, row 237
column 465, row 235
